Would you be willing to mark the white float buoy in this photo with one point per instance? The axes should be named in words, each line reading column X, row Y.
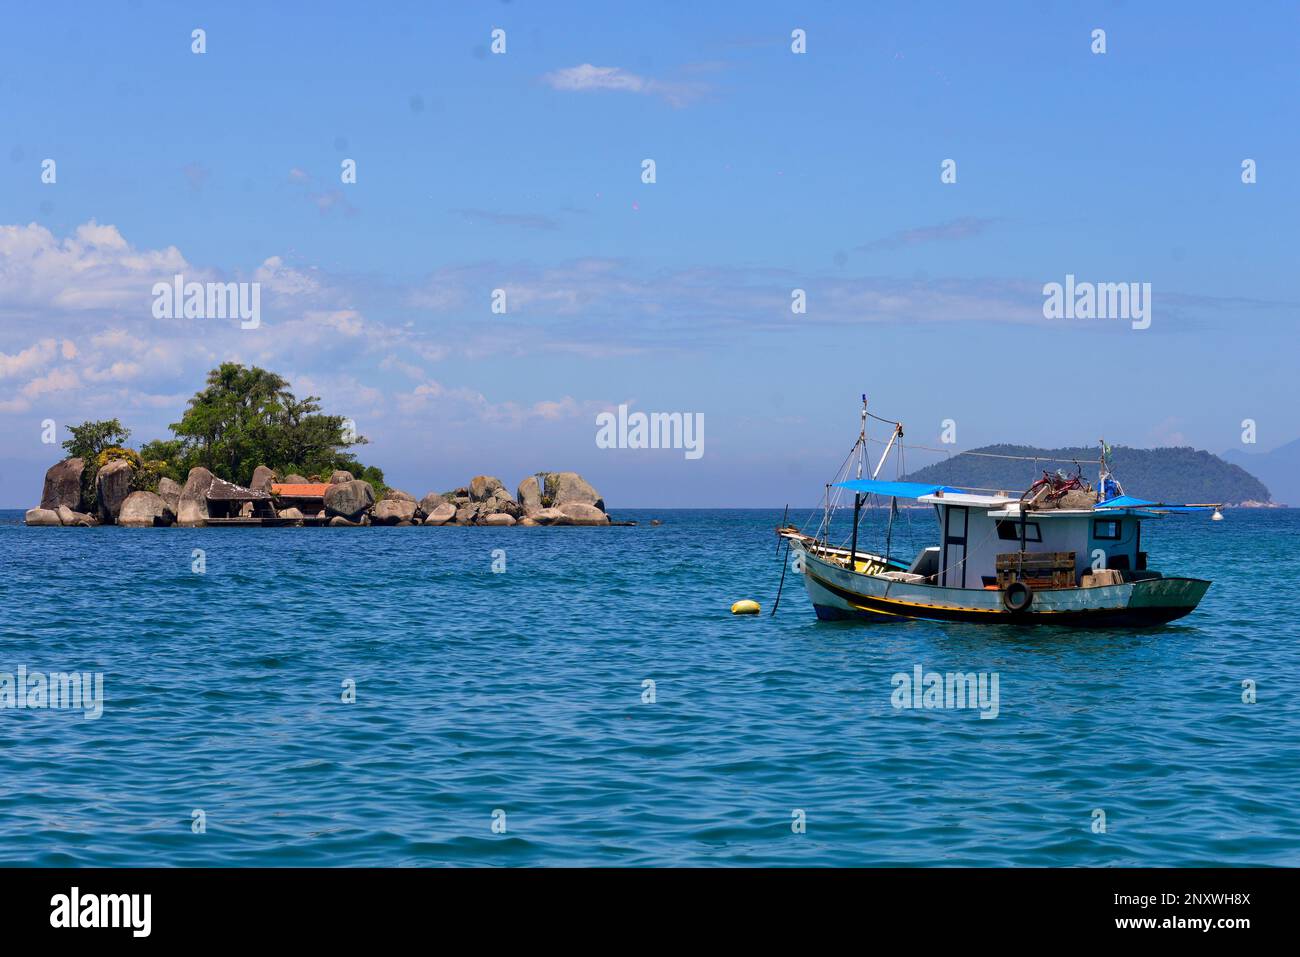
column 1217, row 516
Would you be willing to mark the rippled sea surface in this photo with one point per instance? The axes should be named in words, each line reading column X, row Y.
column 518, row 697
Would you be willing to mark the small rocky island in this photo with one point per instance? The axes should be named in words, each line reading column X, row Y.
column 546, row 498
column 213, row 472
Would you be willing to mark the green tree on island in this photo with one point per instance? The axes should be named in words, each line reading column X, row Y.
column 95, row 443
column 91, row 438
column 243, row 418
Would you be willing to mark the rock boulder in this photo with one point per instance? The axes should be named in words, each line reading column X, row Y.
column 349, row 499
column 431, row 502
column 42, row 516
column 171, row 493
column 145, row 510
column 112, row 486
column 550, row 516
column 63, row 485
column 339, row 477
column 68, row 517
column 482, row 487
column 262, row 478
column 499, row 518
column 193, row 510
column 580, row 514
column 390, row 511
column 293, row 478
column 529, row 495
column 570, row 488
column 441, row 514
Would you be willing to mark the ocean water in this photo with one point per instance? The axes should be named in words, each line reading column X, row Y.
column 516, row 697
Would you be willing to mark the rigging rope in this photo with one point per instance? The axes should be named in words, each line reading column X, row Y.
column 989, row 455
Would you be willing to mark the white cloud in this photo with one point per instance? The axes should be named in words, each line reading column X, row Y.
column 28, row 360
column 95, row 268
column 285, row 280
column 467, row 406
column 121, row 371
column 392, row 362
column 587, row 77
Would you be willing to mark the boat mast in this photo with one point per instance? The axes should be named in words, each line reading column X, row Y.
column 898, row 430
column 893, row 501
column 857, row 496
column 1102, row 473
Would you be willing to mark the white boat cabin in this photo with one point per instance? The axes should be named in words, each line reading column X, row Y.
column 975, row 529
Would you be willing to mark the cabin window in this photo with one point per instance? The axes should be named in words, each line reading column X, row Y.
column 1009, row 531
column 1105, row 530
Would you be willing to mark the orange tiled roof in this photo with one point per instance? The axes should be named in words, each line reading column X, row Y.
column 300, row 491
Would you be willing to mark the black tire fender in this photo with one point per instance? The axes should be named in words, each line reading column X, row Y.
column 1017, row 597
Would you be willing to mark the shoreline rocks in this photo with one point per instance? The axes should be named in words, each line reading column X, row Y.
column 541, row 499
column 61, row 516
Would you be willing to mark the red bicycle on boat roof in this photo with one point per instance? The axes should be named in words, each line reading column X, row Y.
column 1058, row 485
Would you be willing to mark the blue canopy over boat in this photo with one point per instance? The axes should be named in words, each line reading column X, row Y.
column 1125, row 501
column 1130, row 501
column 892, row 489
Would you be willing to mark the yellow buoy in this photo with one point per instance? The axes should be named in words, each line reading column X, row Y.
column 745, row 607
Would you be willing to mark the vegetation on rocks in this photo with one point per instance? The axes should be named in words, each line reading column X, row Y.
column 242, row 418
column 89, row 442
column 246, row 417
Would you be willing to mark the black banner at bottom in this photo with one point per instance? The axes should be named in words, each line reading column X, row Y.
column 335, row 906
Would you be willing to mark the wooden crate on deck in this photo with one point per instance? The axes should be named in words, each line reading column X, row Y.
column 1036, row 569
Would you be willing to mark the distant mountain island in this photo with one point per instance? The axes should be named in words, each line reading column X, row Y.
column 1280, row 469
column 1172, row 475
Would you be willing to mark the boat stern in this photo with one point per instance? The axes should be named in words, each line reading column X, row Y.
column 1167, row 598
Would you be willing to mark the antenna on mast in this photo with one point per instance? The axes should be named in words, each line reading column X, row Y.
column 862, row 435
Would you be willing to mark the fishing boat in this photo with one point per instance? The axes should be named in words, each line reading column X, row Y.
column 1062, row 552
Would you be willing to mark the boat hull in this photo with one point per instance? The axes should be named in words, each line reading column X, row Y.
column 838, row 595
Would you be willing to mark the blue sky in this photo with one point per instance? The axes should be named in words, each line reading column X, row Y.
column 775, row 171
